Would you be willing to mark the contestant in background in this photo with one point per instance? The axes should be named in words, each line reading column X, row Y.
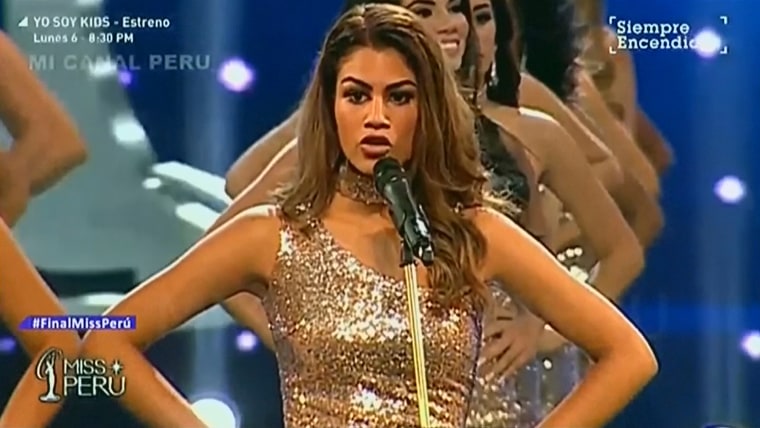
column 615, row 77
column 46, row 144
column 23, row 293
column 328, row 247
column 258, row 156
column 563, row 169
column 510, row 172
column 550, row 45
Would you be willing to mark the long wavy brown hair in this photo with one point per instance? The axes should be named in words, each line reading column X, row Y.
column 468, row 74
column 444, row 170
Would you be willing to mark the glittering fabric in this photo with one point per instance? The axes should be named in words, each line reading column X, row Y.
column 357, row 186
column 497, row 403
column 524, row 399
column 343, row 345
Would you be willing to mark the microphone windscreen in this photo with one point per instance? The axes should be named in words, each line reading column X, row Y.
column 385, row 170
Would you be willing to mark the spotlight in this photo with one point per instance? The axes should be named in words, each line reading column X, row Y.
column 246, row 341
column 751, row 345
column 707, row 43
column 7, row 345
column 216, row 413
column 236, row 75
column 730, row 189
column 125, row 77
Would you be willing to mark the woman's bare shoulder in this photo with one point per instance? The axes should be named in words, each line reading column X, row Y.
column 252, row 235
column 260, row 223
column 486, row 219
column 500, row 233
column 263, row 214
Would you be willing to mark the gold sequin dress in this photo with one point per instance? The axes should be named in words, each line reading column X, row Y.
column 505, row 402
column 343, row 345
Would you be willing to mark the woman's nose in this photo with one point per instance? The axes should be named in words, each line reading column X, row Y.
column 377, row 117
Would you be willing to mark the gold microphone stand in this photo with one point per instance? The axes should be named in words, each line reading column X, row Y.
column 415, row 327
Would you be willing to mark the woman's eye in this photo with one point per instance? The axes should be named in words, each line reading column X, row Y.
column 483, row 18
column 423, row 13
column 401, row 97
column 355, row 97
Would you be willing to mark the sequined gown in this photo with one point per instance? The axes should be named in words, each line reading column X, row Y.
column 343, row 344
column 504, row 402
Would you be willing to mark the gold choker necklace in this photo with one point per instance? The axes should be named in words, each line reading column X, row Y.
column 357, row 186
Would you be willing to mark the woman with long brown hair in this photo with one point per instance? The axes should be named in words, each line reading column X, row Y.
column 510, row 174
column 381, row 89
column 512, row 333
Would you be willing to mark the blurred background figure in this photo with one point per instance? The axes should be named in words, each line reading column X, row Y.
column 162, row 132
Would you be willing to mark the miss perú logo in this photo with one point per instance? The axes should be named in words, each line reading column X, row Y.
column 80, row 377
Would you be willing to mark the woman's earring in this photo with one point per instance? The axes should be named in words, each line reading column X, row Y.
column 493, row 78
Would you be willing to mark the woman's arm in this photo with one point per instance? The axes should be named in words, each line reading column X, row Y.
column 246, row 308
column 24, row 293
column 651, row 141
column 46, row 142
column 569, row 176
column 532, row 218
column 535, row 95
column 624, row 362
column 252, row 163
column 218, row 266
column 641, row 210
column 14, row 190
column 616, row 137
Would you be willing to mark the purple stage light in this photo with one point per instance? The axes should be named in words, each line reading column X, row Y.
column 7, row 345
column 246, row 341
column 125, row 77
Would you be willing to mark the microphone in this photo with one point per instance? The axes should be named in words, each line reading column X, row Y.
column 408, row 217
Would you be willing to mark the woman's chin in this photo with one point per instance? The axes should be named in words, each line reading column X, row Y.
column 363, row 165
column 454, row 61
